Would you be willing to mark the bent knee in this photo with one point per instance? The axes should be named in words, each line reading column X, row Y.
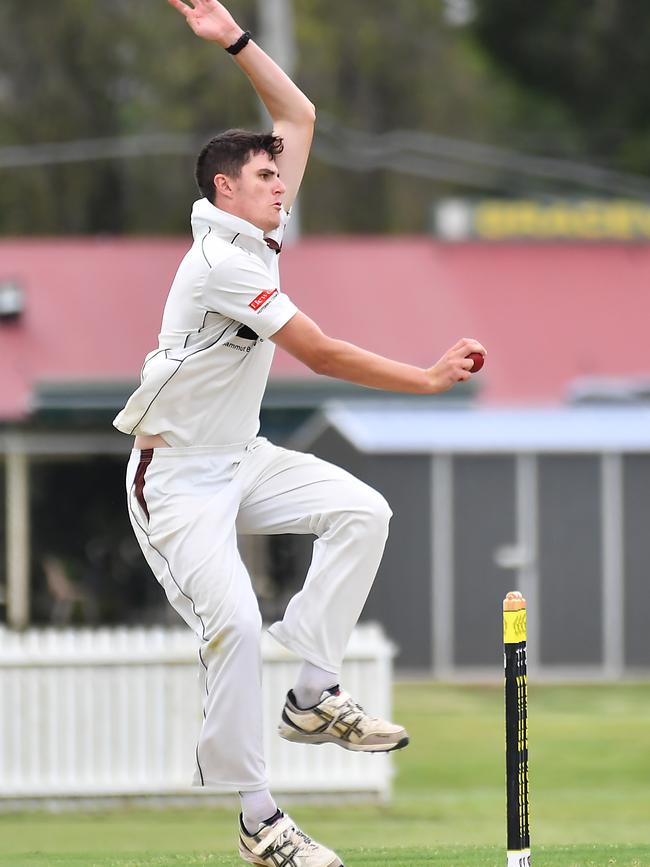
column 374, row 512
column 382, row 510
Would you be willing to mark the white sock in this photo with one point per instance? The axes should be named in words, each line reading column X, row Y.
column 312, row 682
column 256, row 808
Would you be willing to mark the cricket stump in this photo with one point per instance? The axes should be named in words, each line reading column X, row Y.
column 516, row 700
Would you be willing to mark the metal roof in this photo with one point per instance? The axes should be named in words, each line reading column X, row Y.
column 389, row 427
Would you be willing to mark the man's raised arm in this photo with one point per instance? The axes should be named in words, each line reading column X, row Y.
column 292, row 113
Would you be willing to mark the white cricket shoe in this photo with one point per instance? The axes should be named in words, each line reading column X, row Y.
column 338, row 719
column 282, row 844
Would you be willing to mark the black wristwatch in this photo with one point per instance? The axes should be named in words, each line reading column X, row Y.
column 242, row 42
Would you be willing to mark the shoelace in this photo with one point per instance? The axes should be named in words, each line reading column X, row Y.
column 308, row 841
column 286, row 837
column 351, row 709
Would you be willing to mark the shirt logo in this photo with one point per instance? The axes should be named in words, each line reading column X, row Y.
column 262, row 299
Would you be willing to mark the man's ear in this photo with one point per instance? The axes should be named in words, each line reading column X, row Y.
column 223, row 186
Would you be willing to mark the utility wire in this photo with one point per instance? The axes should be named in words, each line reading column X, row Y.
column 425, row 155
column 87, row 150
column 443, row 158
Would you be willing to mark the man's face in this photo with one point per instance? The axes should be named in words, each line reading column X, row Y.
column 256, row 195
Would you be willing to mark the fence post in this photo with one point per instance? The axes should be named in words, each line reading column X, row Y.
column 17, row 517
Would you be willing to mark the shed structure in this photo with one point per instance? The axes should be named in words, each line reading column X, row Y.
column 552, row 502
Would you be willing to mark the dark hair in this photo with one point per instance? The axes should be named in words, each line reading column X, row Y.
column 228, row 152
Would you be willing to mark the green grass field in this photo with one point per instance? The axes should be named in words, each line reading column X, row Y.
column 590, row 794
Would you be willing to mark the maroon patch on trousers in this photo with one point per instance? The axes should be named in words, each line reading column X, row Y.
column 145, row 459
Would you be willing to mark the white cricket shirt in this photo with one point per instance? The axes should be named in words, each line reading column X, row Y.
column 204, row 383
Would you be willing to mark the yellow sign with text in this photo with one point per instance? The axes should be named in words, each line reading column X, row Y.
column 586, row 220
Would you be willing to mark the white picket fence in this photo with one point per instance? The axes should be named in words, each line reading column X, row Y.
column 115, row 712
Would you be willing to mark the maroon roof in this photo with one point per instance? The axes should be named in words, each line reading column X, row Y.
column 547, row 313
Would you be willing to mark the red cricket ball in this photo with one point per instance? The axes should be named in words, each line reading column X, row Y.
column 478, row 360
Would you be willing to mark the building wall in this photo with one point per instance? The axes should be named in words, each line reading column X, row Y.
column 483, row 508
column 570, row 560
column 401, row 596
column 636, row 558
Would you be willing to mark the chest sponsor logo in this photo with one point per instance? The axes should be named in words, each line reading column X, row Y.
column 262, row 299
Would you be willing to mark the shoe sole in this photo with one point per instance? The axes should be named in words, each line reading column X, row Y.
column 297, row 737
column 248, row 856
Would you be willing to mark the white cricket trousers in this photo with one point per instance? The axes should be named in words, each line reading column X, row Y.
column 186, row 506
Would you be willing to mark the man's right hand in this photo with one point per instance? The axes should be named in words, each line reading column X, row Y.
column 210, row 20
column 454, row 366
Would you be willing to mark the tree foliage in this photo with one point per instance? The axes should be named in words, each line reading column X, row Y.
column 536, row 77
column 77, row 69
column 590, row 58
